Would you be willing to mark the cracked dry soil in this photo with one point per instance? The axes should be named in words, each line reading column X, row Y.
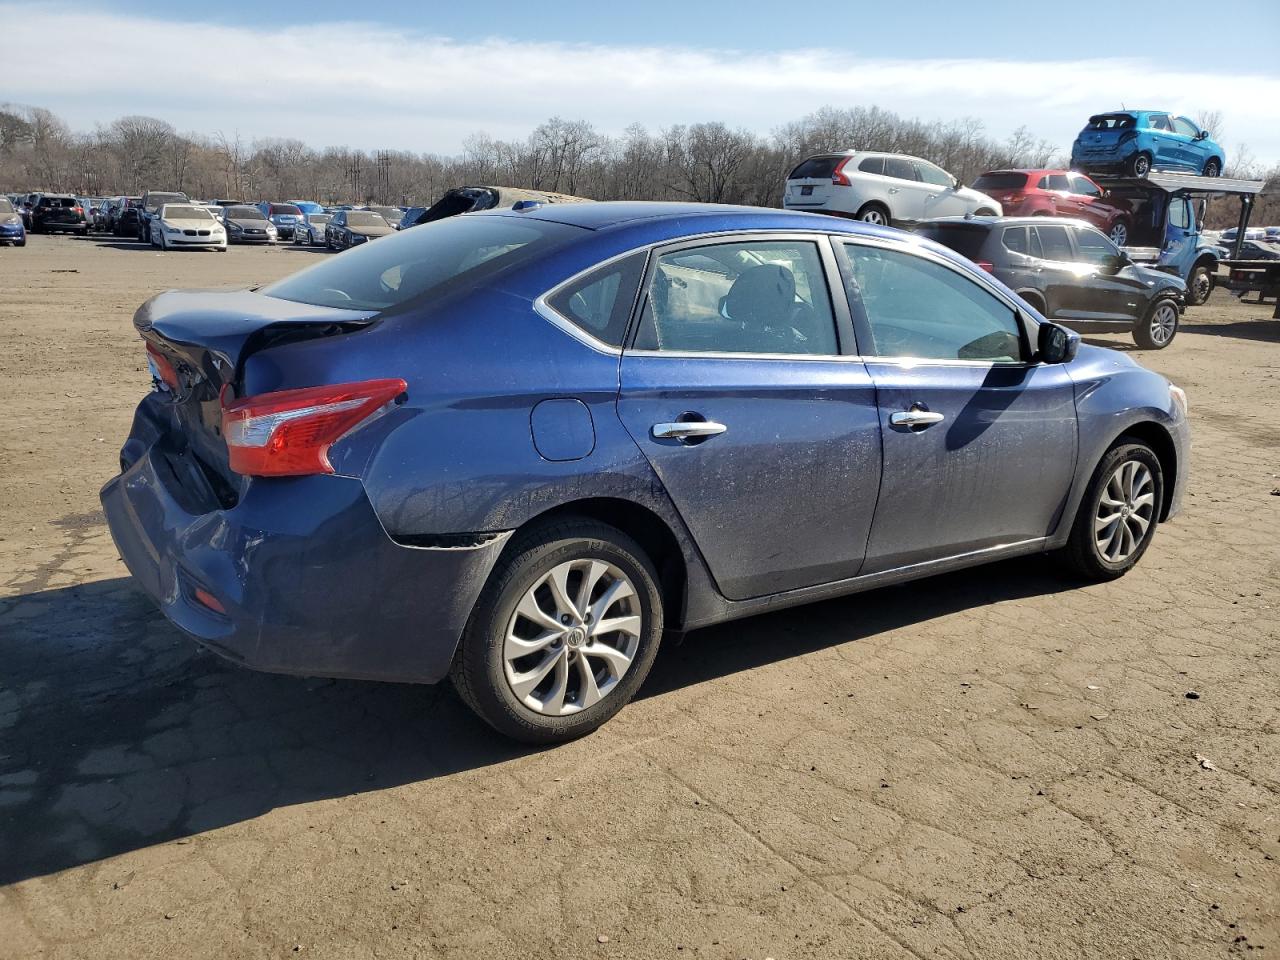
column 993, row 764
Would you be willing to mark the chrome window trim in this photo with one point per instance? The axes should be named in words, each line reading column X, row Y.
column 543, row 308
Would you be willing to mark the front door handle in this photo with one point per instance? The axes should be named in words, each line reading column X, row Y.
column 687, row 429
column 915, row 417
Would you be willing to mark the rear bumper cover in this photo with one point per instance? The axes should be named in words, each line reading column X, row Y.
column 310, row 581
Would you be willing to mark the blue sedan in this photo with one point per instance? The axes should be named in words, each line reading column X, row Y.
column 515, row 447
column 1132, row 143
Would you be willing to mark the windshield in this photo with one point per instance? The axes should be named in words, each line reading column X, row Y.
column 157, row 200
column 286, row 208
column 1000, row 181
column 365, row 219
column 180, row 212
column 306, row 206
column 245, row 213
column 815, row 168
column 446, row 255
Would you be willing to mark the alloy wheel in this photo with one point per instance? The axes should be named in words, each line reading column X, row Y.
column 572, row 637
column 1164, row 323
column 1125, row 511
column 1120, row 234
column 875, row 216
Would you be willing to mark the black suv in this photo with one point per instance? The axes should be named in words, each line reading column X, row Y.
column 1069, row 272
column 150, row 206
column 58, row 211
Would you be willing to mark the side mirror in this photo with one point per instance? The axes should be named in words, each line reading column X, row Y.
column 1056, row 344
column 955, row 183
column 1202, row 135
column 1114, row 262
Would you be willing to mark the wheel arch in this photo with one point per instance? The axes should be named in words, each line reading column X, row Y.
column 649, row 529
column 1035, row 300
column 1157, row 437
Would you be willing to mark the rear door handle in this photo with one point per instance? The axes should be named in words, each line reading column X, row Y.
column 915, row 418
column 684, row 430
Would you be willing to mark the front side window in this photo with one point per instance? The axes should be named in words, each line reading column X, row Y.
column 600, row 302
column 1085, row 187
column 1055, row 181
column 1178, row 214
column 1094, row 247
column 933, row 175
column 1055, row 242
column 920, row 309
column 1185, row 127
column 758, row 296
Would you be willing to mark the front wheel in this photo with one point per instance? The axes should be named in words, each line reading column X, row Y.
column 1140, row 165
column 1199, row 285
column 1158, row 328
column 563, row 634
column 1117, row 518
column 1213, row 168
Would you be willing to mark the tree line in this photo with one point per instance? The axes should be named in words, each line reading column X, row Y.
column 706, row 162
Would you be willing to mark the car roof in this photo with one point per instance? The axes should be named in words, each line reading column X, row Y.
column 1011, row 221
column 611, row 213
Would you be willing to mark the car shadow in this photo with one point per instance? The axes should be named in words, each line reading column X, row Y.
column 1264, row 329
column 117, row 732
column 296, row 248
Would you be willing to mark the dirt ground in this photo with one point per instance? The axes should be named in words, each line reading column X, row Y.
column 992, row 764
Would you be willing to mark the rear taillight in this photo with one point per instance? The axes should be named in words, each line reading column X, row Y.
column 77, row 209
column 288, row 433
column 838, row 179
column 162, row 367
column 987, row 265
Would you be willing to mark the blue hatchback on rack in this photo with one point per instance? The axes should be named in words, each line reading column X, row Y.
column 1132, row 143
column 513, row 447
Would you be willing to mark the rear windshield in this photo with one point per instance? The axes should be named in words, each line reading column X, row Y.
column 365, row 218
column 816, row 168
column 320, row 219
column 285, row 208
column 965, row 239
column 447, row 255
column 157, row 200
column 1111, row 121
column 244, row 213
column 1000, row 181
column 5, row 206
column 58, row 202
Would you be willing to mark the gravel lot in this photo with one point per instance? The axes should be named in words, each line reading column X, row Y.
column 990, row 764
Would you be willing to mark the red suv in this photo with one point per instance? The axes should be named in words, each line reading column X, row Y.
column 1057, row 193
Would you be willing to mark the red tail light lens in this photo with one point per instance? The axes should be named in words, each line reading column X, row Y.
column 162, row 367
column 288, row 433
column 987, row 265
column 838, row 179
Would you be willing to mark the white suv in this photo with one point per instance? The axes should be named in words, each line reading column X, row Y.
column 883, row 188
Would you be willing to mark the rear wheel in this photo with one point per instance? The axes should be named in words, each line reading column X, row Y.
column 1158, row 328
column 1140, row 165
column 1120, row 233
column 563, row 634
column 1212, row 167
column 1117, row 518
column 1199, row 285
column 876, row 213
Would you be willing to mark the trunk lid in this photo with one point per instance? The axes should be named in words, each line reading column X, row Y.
column 207, row 336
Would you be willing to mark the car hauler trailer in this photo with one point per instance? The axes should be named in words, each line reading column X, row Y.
column 1167, row 213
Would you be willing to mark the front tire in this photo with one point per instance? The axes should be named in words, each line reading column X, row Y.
column 1139, row 165
column 1157, row 329
column 1117, row 517
column 1212, row 167
column 563, row 634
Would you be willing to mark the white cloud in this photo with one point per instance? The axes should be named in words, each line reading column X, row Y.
column 367, row 85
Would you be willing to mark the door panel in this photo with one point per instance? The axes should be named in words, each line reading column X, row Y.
column 994, row 471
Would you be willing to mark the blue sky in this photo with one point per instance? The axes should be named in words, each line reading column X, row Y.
column 422, row 76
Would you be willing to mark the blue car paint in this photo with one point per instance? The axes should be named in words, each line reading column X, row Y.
column 373, row 572
column 1112, row 151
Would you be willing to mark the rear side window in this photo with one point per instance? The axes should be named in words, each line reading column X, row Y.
column 900, row 168
column 872, row 165
column 1055, row 181
column 1055, row 242
column 437, row 258
column 1015, row 239
column 600, row 303
column 816, row 168
column 1000, row 181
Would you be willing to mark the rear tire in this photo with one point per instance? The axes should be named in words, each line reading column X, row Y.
column 1139, row 165
column 1159, row 326
column 876, row 213
column 527, row 623
column 1117, row 516
column 1120, row 233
